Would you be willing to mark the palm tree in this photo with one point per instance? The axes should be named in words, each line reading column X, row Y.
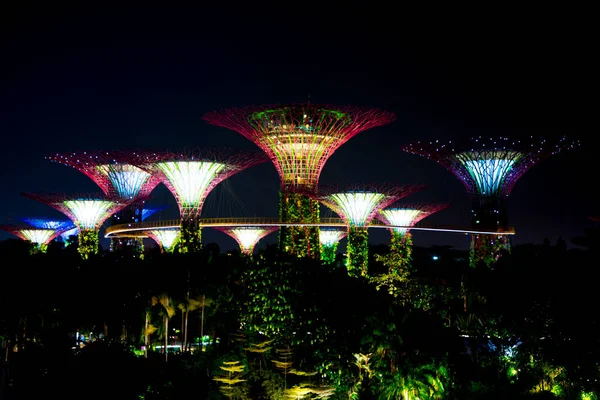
column 168, row 312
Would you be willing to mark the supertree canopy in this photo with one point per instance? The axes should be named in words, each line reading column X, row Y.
column 357, row 206
column 247, row 236
column 190, row 175
column 299, row 139
column 402, row 217
column 88, row 213
column 329, row 239
column 45, row 223
column 167, row 239
column 38, row 236
column 489, row 169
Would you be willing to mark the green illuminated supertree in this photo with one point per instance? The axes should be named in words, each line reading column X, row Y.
column 191, row 175
column 167, row 239
column 357, row 206
column 329, row 239
column 88, row 213
column 299, row 139
column 402, row 218
column 489, row 168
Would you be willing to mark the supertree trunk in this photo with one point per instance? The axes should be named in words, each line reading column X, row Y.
column 488, row 249
column 191, row 236
column 401, row 246
column 358, row 251
column 328, row 253
column 88, row 243
column 302, row 241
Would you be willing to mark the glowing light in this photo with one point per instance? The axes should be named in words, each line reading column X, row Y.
column 166, row 238
column 42, row 223
column 71, row 232
column 190, row 180
column 357, row 207
column 147, row 212
column 401, row 217
column 489, row 173
column 330, row 237
column 89, row 214
column 38, row 236
column 127, row 180
column 247, row 236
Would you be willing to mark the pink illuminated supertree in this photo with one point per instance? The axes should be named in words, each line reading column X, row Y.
column 191, row 175
column 117, row 178
column 401, row 217
column 299, row 139
column 39, row 236
column 357, row 206
column 88, row 212
column 489, row 169
column 247, row 236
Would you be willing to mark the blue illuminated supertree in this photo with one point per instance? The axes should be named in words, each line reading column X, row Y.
column 489, row 169
column 147, row 212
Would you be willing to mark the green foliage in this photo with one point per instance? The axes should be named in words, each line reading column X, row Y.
column 301, row 241
column 358, row 252
column 88, row 243
column 487, row 249
column 328, row 253
column 190, row 239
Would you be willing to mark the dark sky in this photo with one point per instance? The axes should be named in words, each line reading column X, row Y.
column 75, row 80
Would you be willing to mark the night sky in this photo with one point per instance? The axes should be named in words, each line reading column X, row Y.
column 82, row 80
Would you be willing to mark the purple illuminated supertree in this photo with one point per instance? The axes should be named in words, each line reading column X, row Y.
column 117, row 178
column 299, row 139
column 38, row 231
column 190, row 175
column 489, row 169
column 357, row 206
column 88, row 212
column 247, row 236
column 402, row 217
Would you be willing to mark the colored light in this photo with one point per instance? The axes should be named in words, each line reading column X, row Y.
column 330, row 237
column 127, row 180
column 41, row 223
column 357, row 207
column 89, row 214
column 38, row 236
column 190, row 179
column 167, row 238
column 489, row 173
column 71, row 232
column 247, row 237
column 401, row 217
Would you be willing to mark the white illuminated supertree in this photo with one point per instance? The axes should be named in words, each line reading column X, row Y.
column 88, row 213
column 401, row 217
column 191, row 175
column 247, row 236
column 329, row 239
column 357, row 206
column 167, row 239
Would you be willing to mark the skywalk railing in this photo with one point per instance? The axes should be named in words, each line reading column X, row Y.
column 138, row 228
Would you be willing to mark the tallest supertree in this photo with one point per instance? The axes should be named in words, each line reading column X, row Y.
column 489, row 169
column 299, row 139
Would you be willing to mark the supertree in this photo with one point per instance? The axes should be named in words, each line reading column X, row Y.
column 329, row 238
column 247, row 236
column 357, row 206
column 117, row 178
column 147, row 212
column 167, row 239
column 190, row 175
column 38, row 231
column 66, row 236
column 402, row 217
column 88, row 212
column 299, row 139
column 489, row 169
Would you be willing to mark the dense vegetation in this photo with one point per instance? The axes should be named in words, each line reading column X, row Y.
column 278, row 327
